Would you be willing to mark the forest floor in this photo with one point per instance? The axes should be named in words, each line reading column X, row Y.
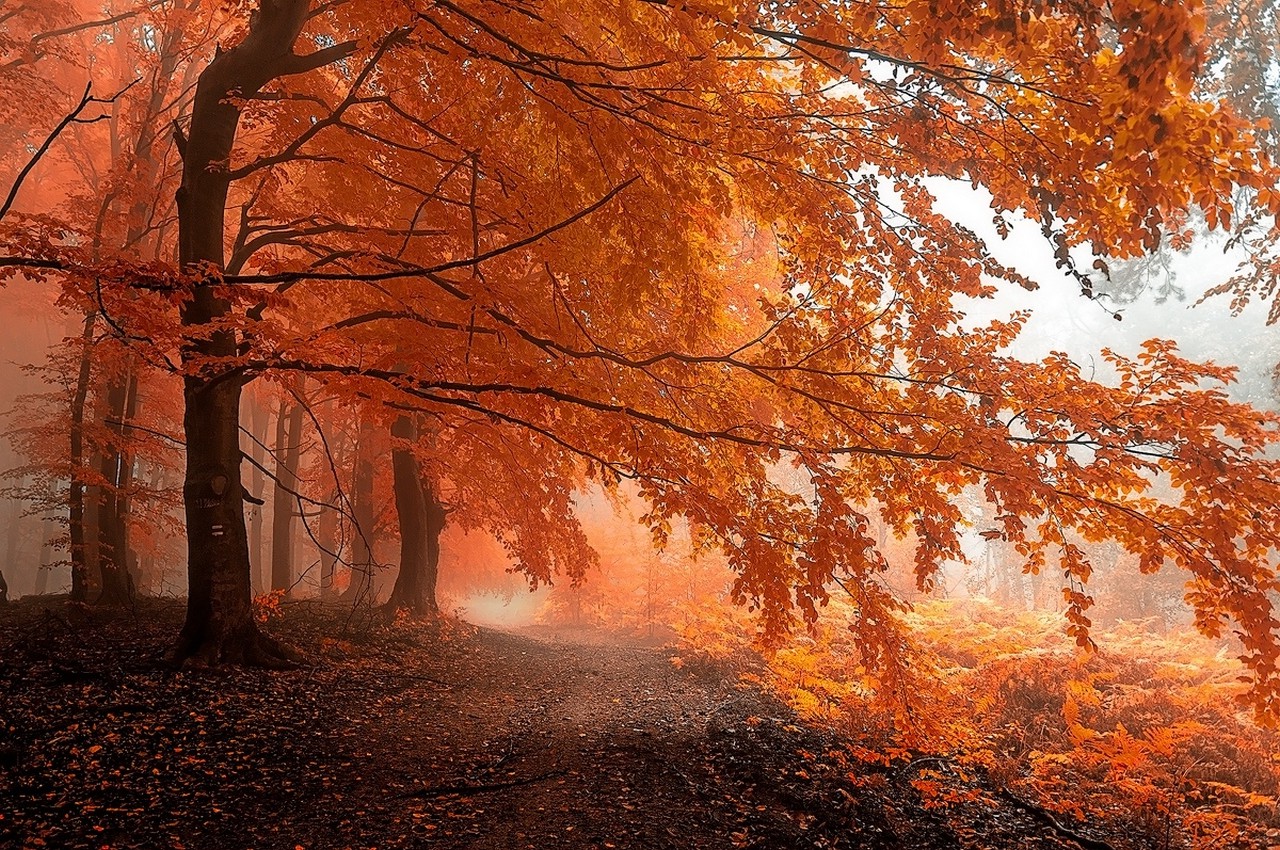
column 434, row 737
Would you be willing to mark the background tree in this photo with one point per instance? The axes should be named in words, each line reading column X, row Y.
column 107, row 167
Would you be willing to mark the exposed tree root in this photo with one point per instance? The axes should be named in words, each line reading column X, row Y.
column 118, row 590
column 248, row 646
column 467, row 789
column 1046, row 817
column 392, row 608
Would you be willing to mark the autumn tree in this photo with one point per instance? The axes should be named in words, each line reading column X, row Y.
column 102, row 161
column 682, row 244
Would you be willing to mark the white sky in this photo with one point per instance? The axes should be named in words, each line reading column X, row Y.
column 1064, row 320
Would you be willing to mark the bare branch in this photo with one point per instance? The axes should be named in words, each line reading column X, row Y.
column 428, row 271
column 70, row 118
column 335, row 117
column 104, row 22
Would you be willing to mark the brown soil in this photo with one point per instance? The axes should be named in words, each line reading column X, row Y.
column 435, row 737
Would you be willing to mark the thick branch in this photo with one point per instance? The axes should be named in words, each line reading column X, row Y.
column 295, row 64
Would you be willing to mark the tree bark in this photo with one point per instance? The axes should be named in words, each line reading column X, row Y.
column 220, row 626
column 92, row 539
column 284, row 505
column 48, row 527
column 116, row 561
column 327, row 534
column 360, row 590
column 117, row 470
column 13, row 538
column 1038, row 590
column 422, row 518
column 75, row 498
column 257, row 481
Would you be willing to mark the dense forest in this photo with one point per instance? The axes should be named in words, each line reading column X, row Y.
column 633, row 424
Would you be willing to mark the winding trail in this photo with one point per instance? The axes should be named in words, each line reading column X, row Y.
column 580, row 746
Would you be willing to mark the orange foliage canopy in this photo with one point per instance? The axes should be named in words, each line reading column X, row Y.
column 691, row 244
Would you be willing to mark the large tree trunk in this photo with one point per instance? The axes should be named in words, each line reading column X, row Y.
column 436, row 518
column 421, row 520
column 285, row 505
column 220, row 626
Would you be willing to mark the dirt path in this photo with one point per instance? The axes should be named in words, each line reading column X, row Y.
column 481, row 740
column 583, row 746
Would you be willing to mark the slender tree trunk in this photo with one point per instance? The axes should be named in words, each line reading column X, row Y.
column 117, row 471
column 1146, row 599
column 151, row 578
column 42, row 580
column 281, row 507
column 421, row 519
column 575, row 606
column 220, row 626
column 92, row 539
column 360, row 591
column 48, row 527
column 436, row 518
column 116, row 561
column 14, row 537
column 328, row 537
column 257, row 483
column 327, row 534
column 284, row 505
column 76, row 496
column 1038, row 591
column 1004, row 592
